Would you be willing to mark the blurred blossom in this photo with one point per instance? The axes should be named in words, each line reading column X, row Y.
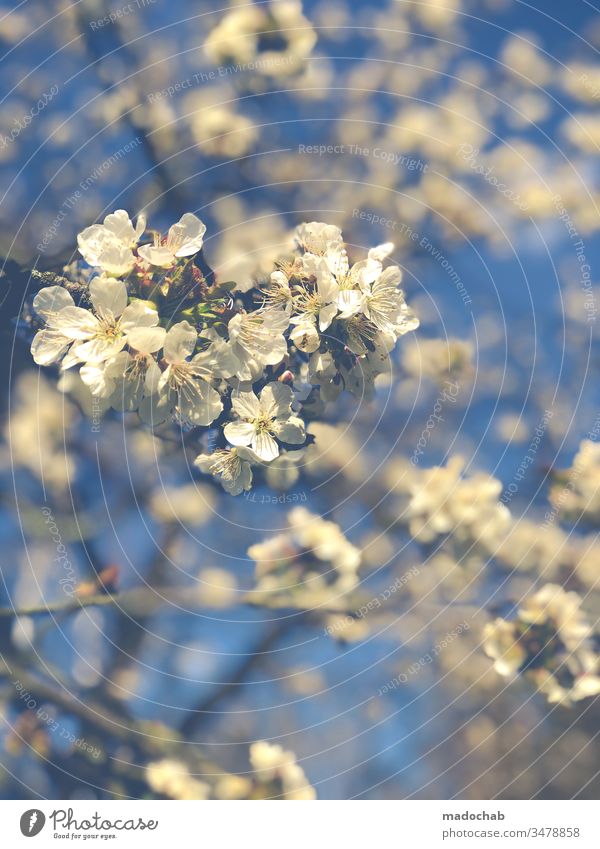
column 275, row 766
column 549, row 642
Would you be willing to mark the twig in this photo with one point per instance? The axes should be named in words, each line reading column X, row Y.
column 152, row 739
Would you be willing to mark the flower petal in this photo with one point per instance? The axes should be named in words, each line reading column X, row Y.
column 148, row 340
column 109, row 296
column 265, row 447
column 98, row 349
column 116, row 259
column 180, row 342
column 156, row 409
column 290, row 430
column 246, row 405
column 120, row 225
column 198, row 403
column 51, row 300
column 48, row 346
column 152, row 378
column 276, row 399
column 381, row 252
column 326, row 316
column 139, row 313
column 161, row 257
column 140, row 226
column 305, row 335
column 74, row 322
column 239, row 433
column 349, row 302
column 186, row 237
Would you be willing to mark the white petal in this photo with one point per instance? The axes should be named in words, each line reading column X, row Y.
column 97, row 350
column 180, row 342
column 51, row 300
column 199, row 403
column 265, row 447
column 337, row 260
column 219, row 358
column 116, row 259
column 161, row 257
column 139, row 314
column 381, row 252
column 69, row 360
column 349, row 302
column 120, row 225
column 242, row 482
column 109, row 296
column 277, row 352
column 276, row 399
column 245, row 453
column 204, row 463
column 48, row 346
column 389, row 279
column 275, row 320
column 246, row 405
column 305, row 335
column 152, row 378
column 239, row 433
column 97, row 380
column 156, row 409
column 90, row 243
column 326, row 316
column 74, row 322
column 140, row 226
column 127, row 395
column 146, row 339
column 291, row 431
column 186, row 237
column 327, row 285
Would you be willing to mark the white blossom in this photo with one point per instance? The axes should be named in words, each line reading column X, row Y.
column 316, row 237
column 183, row 239
column 549, row 641
column 93, row 336
column 257, row 340
column 109, row 245
column 184, row 389
column 232, row 466
column 49, row 345
column 272, row 762
column 264, row 419
column 315, row 307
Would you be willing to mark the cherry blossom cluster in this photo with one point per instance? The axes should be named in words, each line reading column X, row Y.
column 549, row 641
column 146, row 330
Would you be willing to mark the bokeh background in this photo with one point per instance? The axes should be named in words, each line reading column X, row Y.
column 466, row 132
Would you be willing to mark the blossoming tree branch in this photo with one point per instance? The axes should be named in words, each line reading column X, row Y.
column 147, row 332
